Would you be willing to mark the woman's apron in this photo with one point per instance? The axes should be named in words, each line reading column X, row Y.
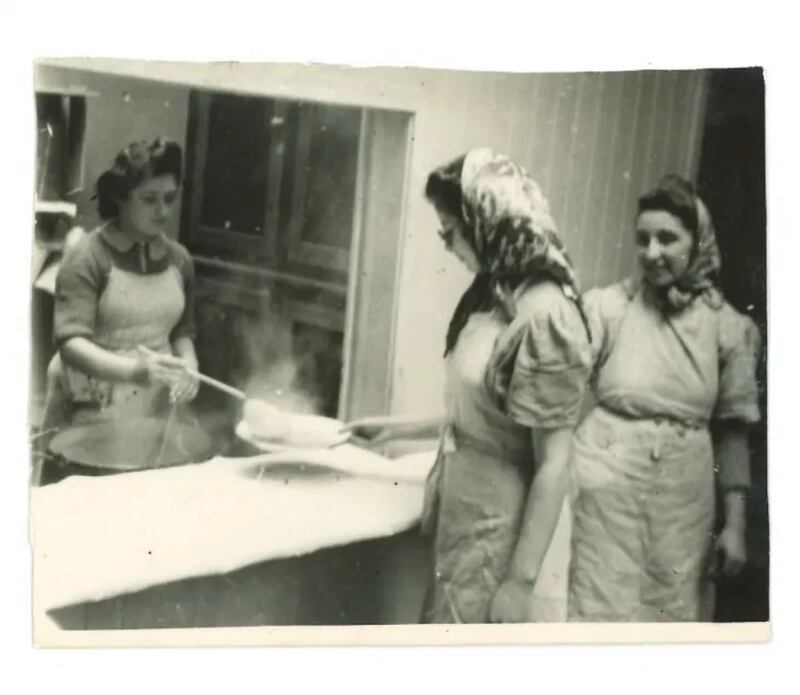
column 476, row 497
column 132, row 310
column 644, row 468
column 643, row 520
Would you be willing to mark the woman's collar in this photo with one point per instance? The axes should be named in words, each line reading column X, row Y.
column 632, row 285
column 118, row 239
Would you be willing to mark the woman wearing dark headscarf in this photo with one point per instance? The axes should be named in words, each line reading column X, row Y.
column 518, row 359
column 671, row 358
column 124, row 286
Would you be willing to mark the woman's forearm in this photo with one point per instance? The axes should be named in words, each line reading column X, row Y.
column 544, row 504
column 414, row 426
column 385, row 428
column 88, row 357
column 735, row 503
column 732, row 455
column 428, row 426
column 184, row 348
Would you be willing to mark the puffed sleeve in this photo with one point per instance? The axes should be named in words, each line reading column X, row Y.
column 593, row 308
column 185, row 328
column 540, row 369
column 604, row 308
column 79, row 284
column 739, row 349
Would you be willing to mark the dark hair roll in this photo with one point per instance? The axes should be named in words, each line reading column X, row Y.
column 134, row 165
column 443, row 188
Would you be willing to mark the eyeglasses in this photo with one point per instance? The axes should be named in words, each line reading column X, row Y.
column 446, row 235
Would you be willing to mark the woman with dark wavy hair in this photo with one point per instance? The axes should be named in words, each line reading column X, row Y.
column 125, row 285
column 674, row 362
column 517, row 362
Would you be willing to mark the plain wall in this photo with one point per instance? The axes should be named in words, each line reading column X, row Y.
column 594, row 141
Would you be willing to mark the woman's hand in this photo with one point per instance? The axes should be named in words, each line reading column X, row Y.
column 374, row 431
column 731, row 551
column 157, row 368
column 171, row 371
column 730, row 547
column 184, row 388
column 512, row 602
column 515, row 602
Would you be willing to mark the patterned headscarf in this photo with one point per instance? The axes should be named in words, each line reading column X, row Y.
column 701, row 277
column 509, row 227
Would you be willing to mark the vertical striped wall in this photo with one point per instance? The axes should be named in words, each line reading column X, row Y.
column 594, row 142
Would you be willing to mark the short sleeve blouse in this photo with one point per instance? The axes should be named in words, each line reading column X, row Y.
column 540, row 366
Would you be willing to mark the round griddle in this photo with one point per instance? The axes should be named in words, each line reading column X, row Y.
column 132, row 444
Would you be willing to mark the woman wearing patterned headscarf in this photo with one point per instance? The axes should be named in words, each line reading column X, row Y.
column 671, row 357
column 125, row 285
column 517, row 362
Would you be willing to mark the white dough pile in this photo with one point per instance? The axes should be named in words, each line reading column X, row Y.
column 269, row 424
column 266, row 421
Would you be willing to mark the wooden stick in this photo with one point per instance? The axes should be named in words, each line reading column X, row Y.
column 230, row 390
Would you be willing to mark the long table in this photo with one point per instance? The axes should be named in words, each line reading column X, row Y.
column 232, row 542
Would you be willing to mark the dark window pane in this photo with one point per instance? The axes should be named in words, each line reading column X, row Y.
column 317, row 354
column 237, row 164
column 50, row 146
column 331, row 175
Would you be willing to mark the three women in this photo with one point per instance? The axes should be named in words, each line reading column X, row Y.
column 667, row 357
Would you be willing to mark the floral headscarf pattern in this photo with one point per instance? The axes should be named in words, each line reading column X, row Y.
column 510, row 228
column 513, row 233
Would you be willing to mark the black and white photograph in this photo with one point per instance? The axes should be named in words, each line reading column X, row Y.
column 373, row 347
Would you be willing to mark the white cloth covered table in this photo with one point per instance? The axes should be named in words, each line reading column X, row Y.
column 99, row 537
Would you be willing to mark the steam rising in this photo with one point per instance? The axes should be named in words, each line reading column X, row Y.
column 282, row 371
